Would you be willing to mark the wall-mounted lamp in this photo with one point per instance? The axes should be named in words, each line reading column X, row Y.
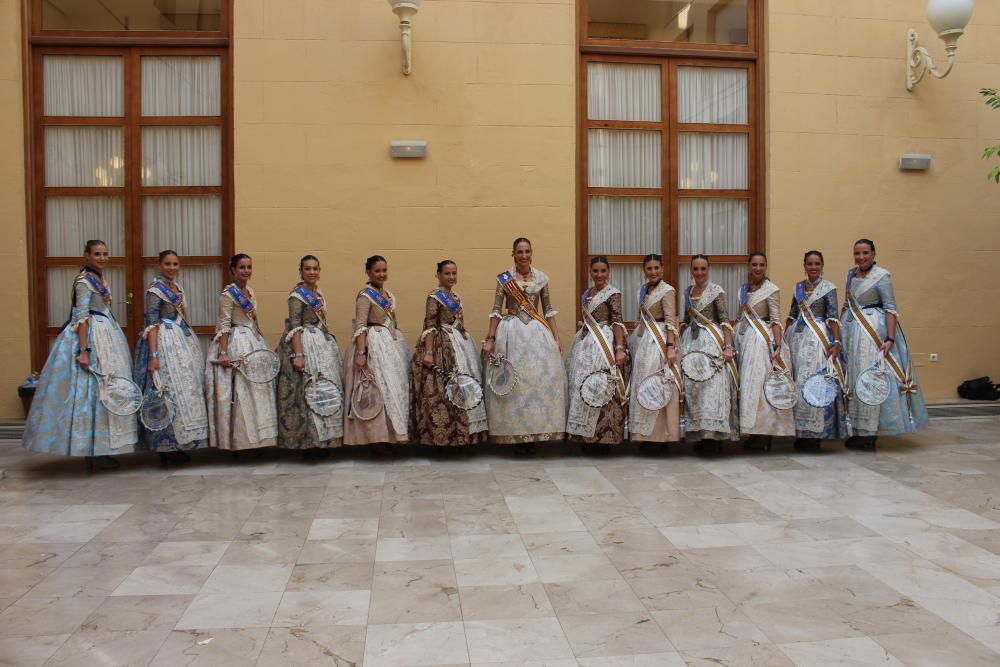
column 915, row 161
column 948, row 18
column 408, row 149
column 405, row 9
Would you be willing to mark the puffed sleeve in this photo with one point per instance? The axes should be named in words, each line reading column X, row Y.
column 886, row 293
column 721, row 311
column 296, row 314
column 669, row 305
column 615, row 303
column 225, row 322
column 431, row 309
column 361, row 307
column 497, row 311
column 547, row 303
column 81, row 304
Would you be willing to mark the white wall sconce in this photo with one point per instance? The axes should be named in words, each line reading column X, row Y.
column 915, row 161
column 408, row 149
column 948, row 18
column 405, row 9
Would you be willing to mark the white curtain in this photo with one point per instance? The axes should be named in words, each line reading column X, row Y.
column 712, row 161
column 713, row 226
column 186, row 224
column 730, row 276
column 712, row 95
column 72, row 221
column 623, row 91
column 181, row 86
column 181, row 155
column 628, row 278
column 624, row 225
column 202, row 286
column 624, row 158
column 82, row 86
column 60, row 291
column 84, row 156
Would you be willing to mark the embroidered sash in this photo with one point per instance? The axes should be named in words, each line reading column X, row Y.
column 757, row 324
column 906, row 384
column 452, row 303
column 661, row 345
column 820, row 332
column 607, row 352
column 176, row 298
column 314, row 301
column 716, row 332
column 242, row 300
column 518, row 295
column 99, row 285
column 382, row 302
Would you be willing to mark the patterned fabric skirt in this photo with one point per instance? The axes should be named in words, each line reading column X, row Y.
column 241, row 414
column 182, row 372
column 901, row 413
column 711, row 406
column 66, row 415
column 757, row 416
column 808, row 358
column 646, row 425
column 536, row 409
column 585, row 423
column 298, row 426
column 388, row 360
column 433, row 419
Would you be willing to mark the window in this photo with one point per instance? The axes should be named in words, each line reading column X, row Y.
column 132, row 146
column 668, row 146
column 130, row 15
column 675, row 21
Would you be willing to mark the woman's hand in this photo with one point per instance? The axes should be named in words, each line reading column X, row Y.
column 84, row 360
column 153, row 364
column 224, row 360
column 428, row 359
column 775, row 353
column 672, row 355
column 729, row 353
column 834, row 351
column 886, row 346
column 620, row 358
column 488, row 347
column 360, row 361
column 299, row 364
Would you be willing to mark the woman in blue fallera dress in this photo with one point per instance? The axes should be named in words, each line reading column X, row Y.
column 870, row 296
column 813, row 334
column 66, row 415
column 169, row 349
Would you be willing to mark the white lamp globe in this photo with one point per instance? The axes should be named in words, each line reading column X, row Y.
column 949, row 16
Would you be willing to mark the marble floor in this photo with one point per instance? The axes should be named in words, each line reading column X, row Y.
column 564, row 560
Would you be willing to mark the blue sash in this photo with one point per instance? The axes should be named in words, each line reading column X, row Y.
column 98, row 284
column 450, row 302
column 642, row 292
column 176, row 299
column 800, row 292
column 743, row 293
column 583, row 299
column 379, row 300
column 241, row 299
column 850, row 277
column 312, row 300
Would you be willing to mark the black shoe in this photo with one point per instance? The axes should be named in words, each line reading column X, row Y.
column 180, row 456
column 102, row 463
column 525, row 449
column 806, row 444
column 854, row 442
column 757, row 443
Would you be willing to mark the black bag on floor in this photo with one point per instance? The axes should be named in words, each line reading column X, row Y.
column 979, row 389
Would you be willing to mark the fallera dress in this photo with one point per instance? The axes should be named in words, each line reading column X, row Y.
column 536, row 409
column 905, row 411
column 66, row 416
column 299, row 427
column 648, row 425
column 586, row 423
column 241, row 414
column 433, row 419
column 753, row 347
column 181, row 368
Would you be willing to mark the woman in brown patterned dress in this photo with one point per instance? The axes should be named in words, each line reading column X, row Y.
column 307, row 349
column 599, row 346
column 444, row 344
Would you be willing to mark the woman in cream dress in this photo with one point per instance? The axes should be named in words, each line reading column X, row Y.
column 870, row 296
column 760, row 347
column 67, row 417
column 528, row 337
column 446, row 344
column 169, row 349
column 602, row 304
column 308, row 349
column 378, row 347
column 242, row 415
column 712, row 405
column 660, row 301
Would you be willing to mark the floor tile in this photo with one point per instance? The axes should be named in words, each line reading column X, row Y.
column 415, row 644
column 516, row 640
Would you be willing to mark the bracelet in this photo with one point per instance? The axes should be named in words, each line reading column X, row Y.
column 835, row 342
column 620, row 348
column 361, row 353
column 669, row 344
column 296, row 355
column 223, row 353
column 490, row 338
column 155, row 355
column 85, row 349
column 890, row 340
column 428, row 353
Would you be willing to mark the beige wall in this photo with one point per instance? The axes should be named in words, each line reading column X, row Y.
column 14, row 335
column 839, row 117
column 319, row 96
